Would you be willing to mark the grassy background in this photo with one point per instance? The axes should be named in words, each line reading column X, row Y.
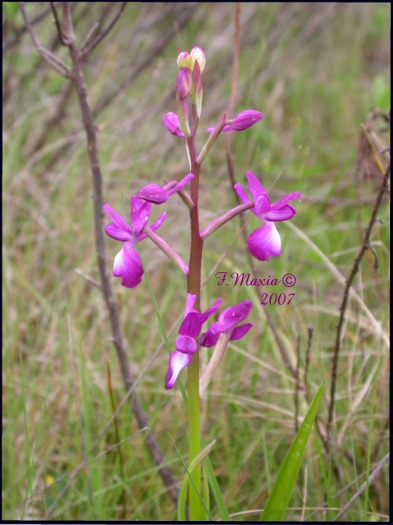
column 316, row 71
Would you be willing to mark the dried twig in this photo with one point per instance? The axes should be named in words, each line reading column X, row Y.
column 90, row 45
column 77, row 76
column 343, row 306
column 297, row 385
column 307, row 364
column 49, row 57
column 57, row 23
column 231, row 174
column 364, row 486
column 20, row 32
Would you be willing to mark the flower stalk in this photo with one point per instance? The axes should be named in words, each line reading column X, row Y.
column 263, row 243
column 194, row 287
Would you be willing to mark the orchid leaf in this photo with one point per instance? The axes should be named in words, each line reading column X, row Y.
column 278, row 500
column 181, row 509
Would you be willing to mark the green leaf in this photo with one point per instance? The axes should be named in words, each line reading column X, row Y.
column 216, row 491
column 181, row 509
column 278, row 500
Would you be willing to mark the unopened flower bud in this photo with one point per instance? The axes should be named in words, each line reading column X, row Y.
column 172, row 124
column 187, row 60
column 184, row 83
column 197, row 54
column 246, row 119
column 184, row 60
column 197, row 90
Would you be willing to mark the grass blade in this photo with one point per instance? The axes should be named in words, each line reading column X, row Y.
column 183, row 492
column 216, row 491
column 278, row 500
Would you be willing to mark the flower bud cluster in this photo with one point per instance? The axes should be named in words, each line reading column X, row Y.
column 189, row 85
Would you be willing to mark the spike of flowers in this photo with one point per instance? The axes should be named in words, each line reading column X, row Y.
column 186, row 344
column 244, row 120
column 265, row 241
column 127, row 263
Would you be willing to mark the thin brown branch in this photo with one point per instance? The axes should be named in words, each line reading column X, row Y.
column 57, row 23
column 77, row 76
column 97, row 26
column 20, row 32
column 343, row 307
column 243, row 225
column 235, row 62
column 364, row 486
column 184, row 16
column 88, row 48
column 297, row 385
column 111, row 303
column 49, row 57
column 307, row 364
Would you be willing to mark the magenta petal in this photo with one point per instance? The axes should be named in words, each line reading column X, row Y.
column 181, row 184
column 246, row 119
column 256, row 188
column 128, row 265
column 177, row 361
column 240, row 331
column 285, row 200
column 233, row 315
column 190, row 303
column 262, row 205
column 118, row 229
column 265, row 242
column 154, row 227
column 211, row 337
column 153, row 193
column 158, row 222
column 140, row 214
column 282, row 214
column 242, row 194
column 172, row 124
column 119, row 234
column 212, row 310
column 191, row 325
column 186, row 344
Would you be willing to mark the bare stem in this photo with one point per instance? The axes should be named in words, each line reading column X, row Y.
column 49, row 57
column 77, row 76
column 231, row 175
column 194, row 287
column 297, row 384
column 344, row 303
column 89, row 46
column 307, row 364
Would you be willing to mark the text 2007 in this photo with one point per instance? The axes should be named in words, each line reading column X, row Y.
column 273, row 298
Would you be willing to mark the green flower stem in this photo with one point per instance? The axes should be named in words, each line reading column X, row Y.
column 194, row 287
column 195, row 503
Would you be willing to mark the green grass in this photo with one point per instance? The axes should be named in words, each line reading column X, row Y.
column 316, row 90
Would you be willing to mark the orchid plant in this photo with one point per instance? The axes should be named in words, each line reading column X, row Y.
column 263, row 243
